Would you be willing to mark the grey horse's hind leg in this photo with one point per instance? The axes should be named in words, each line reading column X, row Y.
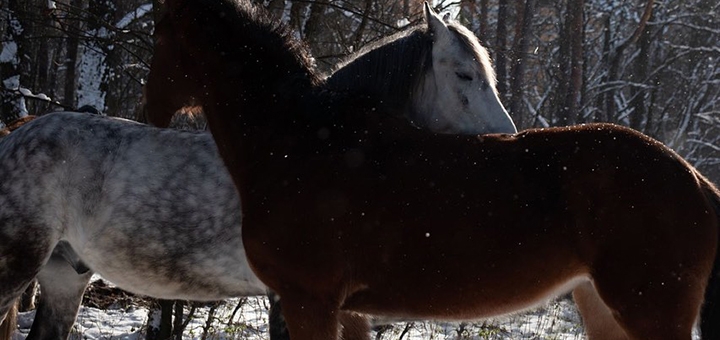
column 61, row 291
column 22, row 253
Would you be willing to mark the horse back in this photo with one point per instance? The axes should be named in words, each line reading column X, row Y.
column 537, row 209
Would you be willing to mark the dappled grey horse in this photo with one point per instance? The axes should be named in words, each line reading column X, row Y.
column 123, row 200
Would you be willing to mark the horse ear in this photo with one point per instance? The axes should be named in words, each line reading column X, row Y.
column 435, row 25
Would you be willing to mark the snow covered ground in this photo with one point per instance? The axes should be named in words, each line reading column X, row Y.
column 246, row 319
column 559, row 320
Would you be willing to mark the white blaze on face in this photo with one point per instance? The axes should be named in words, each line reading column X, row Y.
column 458, row 94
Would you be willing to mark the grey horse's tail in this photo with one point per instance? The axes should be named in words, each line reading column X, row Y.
column 8, row 326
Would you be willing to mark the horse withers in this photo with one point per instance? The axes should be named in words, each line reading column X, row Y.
column 376, row 216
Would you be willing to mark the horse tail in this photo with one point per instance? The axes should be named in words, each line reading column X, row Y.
column 710, row 313
column 8, row 326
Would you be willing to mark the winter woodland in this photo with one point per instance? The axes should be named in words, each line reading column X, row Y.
column 650, row 65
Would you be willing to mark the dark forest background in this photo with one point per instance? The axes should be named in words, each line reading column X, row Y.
column 650, row 65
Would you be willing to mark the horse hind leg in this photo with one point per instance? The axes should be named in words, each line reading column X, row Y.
column 354, row 326
column 23, row 304
column 25, row 250
column 598, row 319
column 61, row 291
column 661, row 309
column 10, row 298
column 310, row 318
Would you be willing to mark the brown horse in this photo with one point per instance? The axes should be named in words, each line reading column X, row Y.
column 349, row 210
column 15, row 124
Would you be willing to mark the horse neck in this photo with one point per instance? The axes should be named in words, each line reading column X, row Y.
column 386, row 76
column 241, row 54
column 262, row 87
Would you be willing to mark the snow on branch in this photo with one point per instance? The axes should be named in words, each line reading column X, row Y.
column 27, row 94
column 711, row 49
column 137, row 13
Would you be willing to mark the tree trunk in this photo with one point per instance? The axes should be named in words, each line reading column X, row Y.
column 37, row 68
column 518, row 70
column 314, row 23
column 484, row 30
column 616, row 56
column 276, row 9
column 562, row 72
column 574, row 88
column 360, row 32
column 501, row 50
column 468, row 15
column 601, row 113
column 12, row 105
column 640, row 70
column 164, row 329
column 297, row 11
column 178, row 322
column 72, row 46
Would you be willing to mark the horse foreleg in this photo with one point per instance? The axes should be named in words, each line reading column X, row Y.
column 309, row 318
column 61, row 291
column 354, row 326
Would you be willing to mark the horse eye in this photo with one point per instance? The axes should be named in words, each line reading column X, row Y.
column 464, row 76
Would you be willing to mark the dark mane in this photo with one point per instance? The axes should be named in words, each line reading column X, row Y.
column 250, row 42
column 390, row 73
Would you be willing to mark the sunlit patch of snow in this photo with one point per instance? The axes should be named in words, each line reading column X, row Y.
column 559, row 320
column 27, row 93
column 130, row 17
column 9, row 52
column 13, row 83
column 92, row 68
column 402, row 23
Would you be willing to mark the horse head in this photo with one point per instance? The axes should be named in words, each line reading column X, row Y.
column 457, row 93
column 437, row 75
